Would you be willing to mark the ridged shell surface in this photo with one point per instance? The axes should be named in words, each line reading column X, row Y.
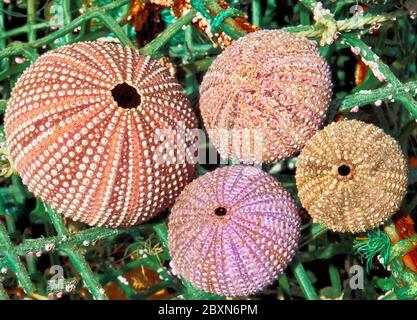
column 233, row 231
column 351, row 176
column 83, row 153
column 264, row 96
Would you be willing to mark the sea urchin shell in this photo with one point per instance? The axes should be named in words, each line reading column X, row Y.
column 233, row 231
column 264, row 96
column 351, row 176
column 80, row 128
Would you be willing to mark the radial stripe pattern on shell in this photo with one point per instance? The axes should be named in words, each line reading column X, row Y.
column 81, row 127
column 233, row 231
column 351, row 176
column 264, row 96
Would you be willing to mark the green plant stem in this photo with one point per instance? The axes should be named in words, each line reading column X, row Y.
column 335, row 278
column 256, row 13
column 390, row 296
column 3, row 262
column 92, row 13
column 309, row 4
column 2, row 29
column 317, row 30
column 31, row 19
column 87, row 275
column 403, row 247
column 304, row 280
column 66, row 8
column 161, row 229
column 154, row 289
column 284, row 284
column 219, row 18
column 74, row 240
column 151, row 262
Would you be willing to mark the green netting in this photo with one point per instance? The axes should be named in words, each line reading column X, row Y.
column 92, row 262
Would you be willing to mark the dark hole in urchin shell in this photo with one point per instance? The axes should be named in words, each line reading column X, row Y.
column 344, row 170
column 220, row 211
column 126, row 96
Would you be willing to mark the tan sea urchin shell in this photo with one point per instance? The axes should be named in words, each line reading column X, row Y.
column 80, row 128
column 351, row 176
column 233, row 231
column 269, row 85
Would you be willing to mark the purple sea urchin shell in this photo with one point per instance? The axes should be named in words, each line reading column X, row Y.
column 233, row 231
column 269, row 85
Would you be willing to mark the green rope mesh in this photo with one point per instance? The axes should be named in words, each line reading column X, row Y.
column 20, row 253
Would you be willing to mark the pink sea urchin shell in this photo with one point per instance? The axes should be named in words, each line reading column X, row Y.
column 80, row 128
column 233, row 231
column 264, row 96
